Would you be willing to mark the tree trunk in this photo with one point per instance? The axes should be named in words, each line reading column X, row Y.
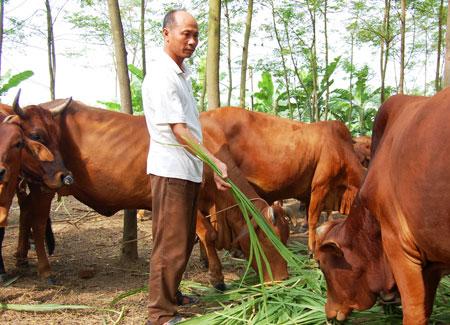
column 248, row 26
column 327, row 91
column 426, row 64
column 437, row 80
column 142, row 31
column 203, row 93
column 212, row 64
column 283, row 61
column 447, row 52
column 314, row 72
column 351, row 74
column 50, row 50
column 230, row 74
column 402, row 46
column 129, row 244
column 384, row 47
column 2, row 12
column 252, row 102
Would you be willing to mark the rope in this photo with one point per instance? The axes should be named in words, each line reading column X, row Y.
column 231, row 207
column 128, row 241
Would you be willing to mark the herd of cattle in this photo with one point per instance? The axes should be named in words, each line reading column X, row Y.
column 393, row 242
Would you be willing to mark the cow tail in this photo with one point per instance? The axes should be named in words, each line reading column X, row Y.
column 49, row 238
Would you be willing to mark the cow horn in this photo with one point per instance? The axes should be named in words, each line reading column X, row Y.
column 9, row 118
column 58, row 109
column 271, row 215
column 16, row 107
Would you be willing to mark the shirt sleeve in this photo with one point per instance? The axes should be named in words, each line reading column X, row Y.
column 163, row 100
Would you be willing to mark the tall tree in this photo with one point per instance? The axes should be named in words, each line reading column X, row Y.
column 447, row 52
column 386, row 39
column 2, row 11
column 402, row 46
column 283, row 59
column 50, row 49
column 325, row 29
column 312, row 9
column 142, row 32
column 129, row 244
column 437, row 80
column 213, row 55
column 248, row 27
column 230, row 73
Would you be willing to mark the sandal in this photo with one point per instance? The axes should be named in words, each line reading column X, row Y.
column 183, row 300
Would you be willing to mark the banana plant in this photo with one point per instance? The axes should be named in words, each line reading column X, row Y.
column 356, row 108
column 136, row 92
column 14, row 81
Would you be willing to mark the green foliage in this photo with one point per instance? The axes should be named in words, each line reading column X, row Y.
column 136, row 93
column 265, row 101
column 14, row 81
column 356, row 108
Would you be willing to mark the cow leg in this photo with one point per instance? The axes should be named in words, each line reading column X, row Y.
column 304, row 225
column 203, row 255
column 36, row 209
column 315, row 208
column 207, row 236
column 410, row 282
column 23, row 244
column 2, row 266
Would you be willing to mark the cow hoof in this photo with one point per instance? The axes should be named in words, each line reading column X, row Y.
column 220, row 287
column 51, row 281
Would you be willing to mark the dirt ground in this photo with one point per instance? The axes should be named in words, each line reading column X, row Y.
column 88, row 244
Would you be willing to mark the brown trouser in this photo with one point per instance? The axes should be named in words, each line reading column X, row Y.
column 174, row 205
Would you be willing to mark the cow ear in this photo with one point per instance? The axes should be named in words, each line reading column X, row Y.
column 332, row 247
column 38, row 150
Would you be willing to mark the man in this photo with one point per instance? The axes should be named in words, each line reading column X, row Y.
column 172, row 118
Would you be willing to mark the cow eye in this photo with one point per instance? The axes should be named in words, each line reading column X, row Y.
column 35, row 137
column 19, row 145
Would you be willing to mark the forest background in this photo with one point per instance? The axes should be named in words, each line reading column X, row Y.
column 307, row 60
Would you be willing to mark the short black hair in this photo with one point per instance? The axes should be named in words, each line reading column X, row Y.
column 169, row 18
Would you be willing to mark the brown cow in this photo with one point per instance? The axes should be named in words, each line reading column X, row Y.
column 362, row 145
column 107, row 153
column 283, row 159
column 405, row 191
column 13, row 160
column 221, row 226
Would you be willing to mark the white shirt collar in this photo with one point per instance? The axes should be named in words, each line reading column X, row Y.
column 172, row 64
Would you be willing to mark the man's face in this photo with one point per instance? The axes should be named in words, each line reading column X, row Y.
column 181, row 38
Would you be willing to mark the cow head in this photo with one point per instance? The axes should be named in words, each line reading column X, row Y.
column 11, row 154
column 350, row 255
column 277, row 219
column 38, row 125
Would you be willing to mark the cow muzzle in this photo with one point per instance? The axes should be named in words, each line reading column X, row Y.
column 59, row 179
column 68, row 179
column 340, row 314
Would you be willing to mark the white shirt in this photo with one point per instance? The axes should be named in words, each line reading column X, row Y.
column 167, row 98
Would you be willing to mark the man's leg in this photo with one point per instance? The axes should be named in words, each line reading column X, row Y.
column 173, row 229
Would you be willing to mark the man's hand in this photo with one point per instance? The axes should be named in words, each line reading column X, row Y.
column 221, row 184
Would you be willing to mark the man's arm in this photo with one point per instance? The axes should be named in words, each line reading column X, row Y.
column 181, row 132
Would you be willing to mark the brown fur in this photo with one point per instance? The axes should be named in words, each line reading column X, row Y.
column 285, row 159
column 404, row 191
